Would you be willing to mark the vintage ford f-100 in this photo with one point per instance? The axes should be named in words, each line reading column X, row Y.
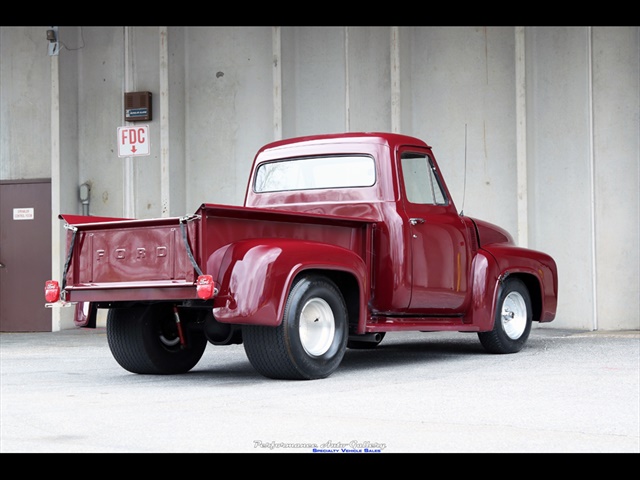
column 341, row 239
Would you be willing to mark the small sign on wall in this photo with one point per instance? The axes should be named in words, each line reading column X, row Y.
column 133, row 141
column 23, row 214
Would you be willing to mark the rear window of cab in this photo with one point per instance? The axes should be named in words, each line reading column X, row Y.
column 310, row 173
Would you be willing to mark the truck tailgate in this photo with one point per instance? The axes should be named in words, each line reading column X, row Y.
column 123, row 259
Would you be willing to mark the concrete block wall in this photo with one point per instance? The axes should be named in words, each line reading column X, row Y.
column 535, row 128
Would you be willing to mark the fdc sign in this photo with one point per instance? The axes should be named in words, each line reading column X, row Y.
column 133, row 141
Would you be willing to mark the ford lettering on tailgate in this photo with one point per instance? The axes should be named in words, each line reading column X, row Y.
column 134, row 254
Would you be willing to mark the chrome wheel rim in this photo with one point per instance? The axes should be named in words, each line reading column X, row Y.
column 317, row 327
column 514, row 315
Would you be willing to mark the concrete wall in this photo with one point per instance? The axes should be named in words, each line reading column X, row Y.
column 25, row 104
column 559, row 150
column 616, row 171
column 536, row 129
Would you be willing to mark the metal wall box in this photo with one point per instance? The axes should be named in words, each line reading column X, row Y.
column 137, row 106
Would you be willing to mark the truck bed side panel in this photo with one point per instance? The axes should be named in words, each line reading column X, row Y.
column 221, row 227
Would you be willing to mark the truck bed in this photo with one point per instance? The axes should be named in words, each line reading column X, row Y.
column 125, row 260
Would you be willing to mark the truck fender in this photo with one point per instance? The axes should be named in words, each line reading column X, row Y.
column 491, row 267
column 486, row 280
column 537, row 270
column 255, row 276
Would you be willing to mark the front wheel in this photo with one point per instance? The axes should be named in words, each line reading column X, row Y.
column 512, row 323
column 311, row 340
column 144, row 339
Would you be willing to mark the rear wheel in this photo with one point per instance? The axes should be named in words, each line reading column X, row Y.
column 311, row 340
column 144, row 339
column 512, row 323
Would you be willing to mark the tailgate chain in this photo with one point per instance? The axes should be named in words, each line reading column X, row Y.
column 183, row 222
column 68, row 262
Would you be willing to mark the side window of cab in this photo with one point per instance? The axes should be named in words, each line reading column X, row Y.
column 421, row 184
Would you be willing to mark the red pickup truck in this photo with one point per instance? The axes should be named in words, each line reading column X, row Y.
column 341, row 239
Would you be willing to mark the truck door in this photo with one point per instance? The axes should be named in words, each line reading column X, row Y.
column 440, row 252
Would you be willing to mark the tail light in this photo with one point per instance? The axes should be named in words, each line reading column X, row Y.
column 51, row 291
column 206, row 287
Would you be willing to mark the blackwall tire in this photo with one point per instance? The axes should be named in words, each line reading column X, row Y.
column 144, row 339
column 513, row 318
column 311, row 340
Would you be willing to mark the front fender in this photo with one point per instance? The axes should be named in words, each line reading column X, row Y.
column 494, row 263
column 255, row 275
column 485, row 283
column 536, row 265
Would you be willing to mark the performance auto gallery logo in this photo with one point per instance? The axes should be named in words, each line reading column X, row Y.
column 353, row 446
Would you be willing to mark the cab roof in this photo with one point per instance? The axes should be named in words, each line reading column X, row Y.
column 391, row 139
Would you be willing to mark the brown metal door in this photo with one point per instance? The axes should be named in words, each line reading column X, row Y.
column 25, row 255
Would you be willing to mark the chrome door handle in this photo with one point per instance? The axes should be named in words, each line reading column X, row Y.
column 416, row 221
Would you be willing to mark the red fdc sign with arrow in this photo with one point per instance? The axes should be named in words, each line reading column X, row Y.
column 133, row 141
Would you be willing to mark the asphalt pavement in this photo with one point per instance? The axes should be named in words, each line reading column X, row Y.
column 565, row 392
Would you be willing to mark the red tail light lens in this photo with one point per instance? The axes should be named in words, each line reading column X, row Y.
column 51, row 291
column 205, row 287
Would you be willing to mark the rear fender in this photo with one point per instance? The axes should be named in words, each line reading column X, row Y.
column 255, row 276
